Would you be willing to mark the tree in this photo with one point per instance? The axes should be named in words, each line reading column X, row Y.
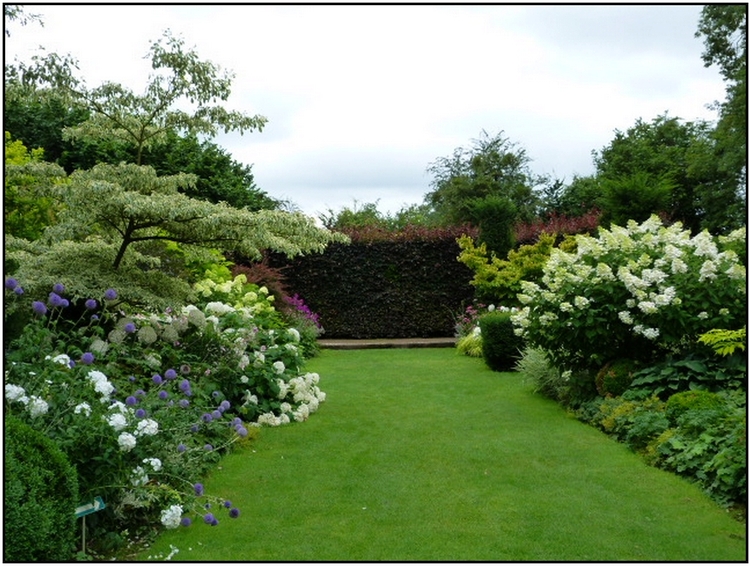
column 724, row 31
column 492, row 166
column 667, row 165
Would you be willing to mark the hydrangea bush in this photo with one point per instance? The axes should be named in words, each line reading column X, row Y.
column 143, row 404
column 640, row 291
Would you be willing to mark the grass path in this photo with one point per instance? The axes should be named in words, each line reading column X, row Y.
column 427, row 455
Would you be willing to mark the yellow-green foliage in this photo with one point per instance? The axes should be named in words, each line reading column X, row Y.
column 500, row 279
column 470, row 345
column 725, row 342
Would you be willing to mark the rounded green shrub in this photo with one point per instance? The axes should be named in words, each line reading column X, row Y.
column 680, row 403
column 615, row 377
column 501, row 347
column 41, row 494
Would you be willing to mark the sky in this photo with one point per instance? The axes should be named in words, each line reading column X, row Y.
column 360, row 99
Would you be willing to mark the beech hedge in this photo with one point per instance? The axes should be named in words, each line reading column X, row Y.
column 384, row 284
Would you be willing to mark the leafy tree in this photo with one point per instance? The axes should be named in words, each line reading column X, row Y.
column 666, row 166
column 493, row 174
column 723, row 28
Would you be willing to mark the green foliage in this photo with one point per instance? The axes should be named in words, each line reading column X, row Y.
column 725, row 342
column 501, row 346
column 367, row 215
column 691, row 372
column 384, row 284
column 640, row 292
column 636, row 196
column 546, row 379
column 470, row 345
column 495, row 216
column 698, row 400
column 40, row 496
column 635, row 423
column 615, row 377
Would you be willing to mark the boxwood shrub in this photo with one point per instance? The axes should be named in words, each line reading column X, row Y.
column 501, row 347
column 41, row 494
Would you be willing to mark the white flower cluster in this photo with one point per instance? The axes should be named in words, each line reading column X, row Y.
column 171, row 516
column 35, row 405
column 101, row 384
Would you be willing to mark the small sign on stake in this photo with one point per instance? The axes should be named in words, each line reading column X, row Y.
column 87, row 509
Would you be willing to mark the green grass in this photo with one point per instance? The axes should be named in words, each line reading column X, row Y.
column 427, row 455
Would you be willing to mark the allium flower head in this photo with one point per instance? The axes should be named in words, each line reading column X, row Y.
column 129, row 328
column 11, row 283
column 110, row 294
column 234, row 513
column 198, row 487
column 18, row 290
column 39, row 308
column 87, row 358
column 140, row 413
column 58, row 288
column 54, row 300
column 91, row 304
column 170, row 374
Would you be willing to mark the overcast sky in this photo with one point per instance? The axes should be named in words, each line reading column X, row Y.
column 360, row 99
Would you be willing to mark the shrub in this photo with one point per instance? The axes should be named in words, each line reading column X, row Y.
column 725, row 342
column 680, row 403
column 471, row 344
column 547, row 379
column 41, row 494
column 640, row 292
column 615, row 377
column 634, row 422
column 557, row 224
column 501, row 347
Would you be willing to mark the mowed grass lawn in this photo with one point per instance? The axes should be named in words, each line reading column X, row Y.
column 427, row 455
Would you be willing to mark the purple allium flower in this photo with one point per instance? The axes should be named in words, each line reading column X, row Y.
column 87, row 358
column 227, row 504
column 216, row 414
column 208, row 448
column 242, row 431
column 216, row 394
column 64, row 303
column 186, row 522
column 39, row 308
column 195, row 428
column 72, row 364
column 214, row 522
column 181, row 447
column 198, row 489
column 131, row 379
column 94, row 317
column 208, row 518
column 234, row 513
column 236, row 421
column 110, row 294
column 91, row 304
column 131, row 400
column 163, row 394
column 184, row 403
column 54, row 300
column 184, row 385
column 224, row 406
column 11, row 283
column 184, row 369
column 58, row 288
column 206, row 417
column 140, row 393
column 170, row 374
column 140, row 413
column 129, row 328
column 157, row 379
column 18, row 290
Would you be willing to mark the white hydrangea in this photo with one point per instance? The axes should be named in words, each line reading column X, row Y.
column 625, row 316
column 171, row 516
column 101, row 384
column 279, row 367
column 37, row 406
column 62, row 359
column 294, row 333
column 218, row 308
column 117, row 421
column 126, row 441
column 155, row 463
column 14, row 392
column 147, row 427
column 581, row 302
column 139, row 477
column 84, row 408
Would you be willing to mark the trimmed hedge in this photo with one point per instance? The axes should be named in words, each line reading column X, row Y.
column 41, row 494
column 405, row 284
column 501, row 348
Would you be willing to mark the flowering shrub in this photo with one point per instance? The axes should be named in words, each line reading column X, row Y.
column 144, row 404
column 635, row 292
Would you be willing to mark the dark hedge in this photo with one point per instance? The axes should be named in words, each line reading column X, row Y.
column 384, row 285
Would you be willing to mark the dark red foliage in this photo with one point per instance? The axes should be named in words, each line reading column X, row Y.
column 262, row 274
column 559, row 224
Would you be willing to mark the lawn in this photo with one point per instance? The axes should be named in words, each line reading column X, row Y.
column 427, row 455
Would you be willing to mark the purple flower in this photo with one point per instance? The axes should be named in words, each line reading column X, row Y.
column 129, row 328
column 72, row 364
column 186, row 522
column 163, row 395
column 140, row 393
column 39, row 308
column 131, row 379
column 64, row 303
column 87, row 358
column 91, row 304
column 208, row 448
column 184, row 385
column 184, row 403
column 216, row 394
column 58, row 288
column 131, row 401
column 206, row 417
column 195, row 428
column 94, row 317
column 214, row 522
column 227, row 504
column 236, row 421
column 234, row 513
column 157, row 379
column 110, row 294
column 181, row 447
column 198, row 489
column 224, row 406
column 242, row 431
column 208, row 518
column 18, row 290
column 140, row 413
column 216, row 414
column 170, row 374
column 11, row 283
column 54, row 300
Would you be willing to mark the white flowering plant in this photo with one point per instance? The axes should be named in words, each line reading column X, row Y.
column 639, row 292
column 144, row 404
